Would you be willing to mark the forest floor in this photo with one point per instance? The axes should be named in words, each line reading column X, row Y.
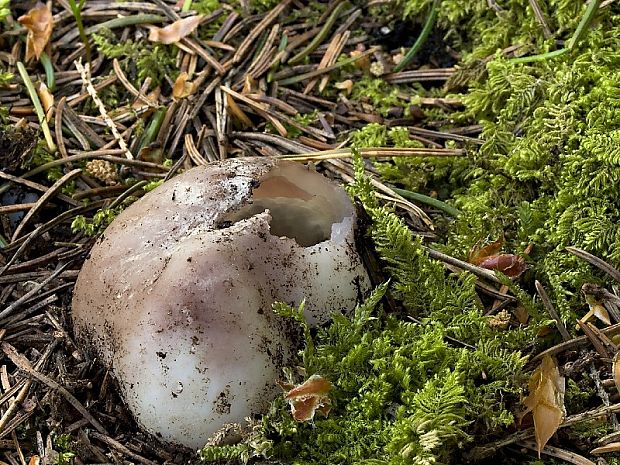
column 465, row 122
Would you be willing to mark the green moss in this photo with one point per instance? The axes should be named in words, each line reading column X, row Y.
column 4, row 9
column 153, row 185
column 371, row 135
column 378, row 135
column 5, row 76
column 548, row 172
column 591, row 430
column 99, row 222
column 378, row 93
column 63, row 444
column 40, row 157
column 547, row 175
column 139, row 60
column 477, row 30
column 205, row 7
column 403, row 392
column 305, row 119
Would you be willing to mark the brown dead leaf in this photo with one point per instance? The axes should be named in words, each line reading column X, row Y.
column 346, row 85
column 511, row 265
column 596, row 309
column 47, row 100
column 152, row 97
column 546, row 400
column 310, row 397
column 182, row 87
column 361, row 63
column 249, row 85
column 477, row 254
column 237, row 112
column 175, row 31
column 39, row 22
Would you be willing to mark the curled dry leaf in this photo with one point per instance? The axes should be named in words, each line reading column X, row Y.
column 47, row 100
column 308, row 398
column 362, row 63
column 546, row 400
column 29, row 404
column 39, row 22
column 182, row 87
column 152, row 97
column 175, row 31
column 511, row 265
column 596, row 309
column 237, row 112
column 346, row 85
column 489, row 257
column 478, row 254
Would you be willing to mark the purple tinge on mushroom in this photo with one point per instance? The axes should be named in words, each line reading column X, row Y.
column 176, row 296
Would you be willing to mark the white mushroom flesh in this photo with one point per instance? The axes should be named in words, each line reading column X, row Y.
column 176, row 296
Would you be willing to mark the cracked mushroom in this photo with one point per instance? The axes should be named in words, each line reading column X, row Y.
column 176, row 295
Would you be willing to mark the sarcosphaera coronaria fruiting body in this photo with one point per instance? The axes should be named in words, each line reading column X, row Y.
column 176, row 296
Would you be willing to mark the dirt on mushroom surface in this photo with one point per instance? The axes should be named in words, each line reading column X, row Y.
column 492, row 151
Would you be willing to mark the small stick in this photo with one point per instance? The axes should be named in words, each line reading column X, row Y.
column 120, row 448
column 19, row 302
column 43, row 199
column 327, row 69
column 129, row 86
column 253, row 35
column 552, row 311
column 35, row 186
column 104, row 114
column 18, row 447
column 27, row 239
column 60, row 141
column 574, row 343
column 600, row 348
column 480, row 272
column 540, row 17
column 24, row 364
column 18, row 207
column 602, row 393
column 107, row 155
column 193, row 152
column 556, row 452
column 375, row 152
column 23, row 391
column 419, row 75
column 320, row 37
column 481, row 452
column 264, row 52
column 594, row 260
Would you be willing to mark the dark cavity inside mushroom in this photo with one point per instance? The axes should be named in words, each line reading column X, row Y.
column 296, row 210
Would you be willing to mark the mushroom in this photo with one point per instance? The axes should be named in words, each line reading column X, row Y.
column 176, row 295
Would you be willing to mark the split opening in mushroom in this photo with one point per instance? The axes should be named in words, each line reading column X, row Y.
column 303, row 208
